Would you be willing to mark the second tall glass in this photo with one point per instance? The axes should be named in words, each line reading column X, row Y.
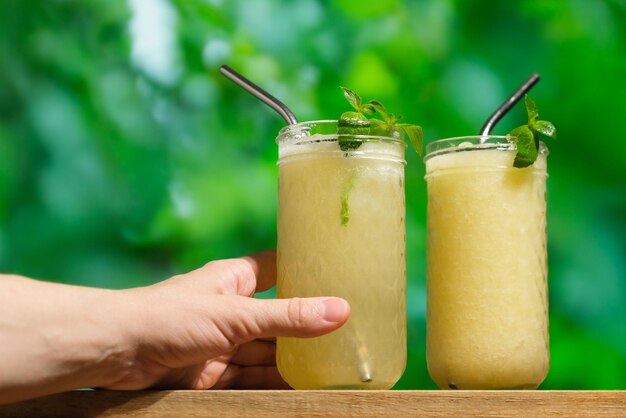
column 341, row 232
column 487, row 319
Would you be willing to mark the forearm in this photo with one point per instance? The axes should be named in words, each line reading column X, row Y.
column 56, row 337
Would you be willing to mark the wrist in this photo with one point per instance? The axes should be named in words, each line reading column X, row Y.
column 59, row 337
column 104, row 351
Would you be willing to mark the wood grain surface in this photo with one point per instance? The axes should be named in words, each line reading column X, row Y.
column 234, row 403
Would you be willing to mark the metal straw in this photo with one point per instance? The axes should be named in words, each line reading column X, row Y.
column 259, row 93
column 507, row 105
column 363, row 366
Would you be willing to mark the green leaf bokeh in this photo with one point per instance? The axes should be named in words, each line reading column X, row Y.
column 126, row 158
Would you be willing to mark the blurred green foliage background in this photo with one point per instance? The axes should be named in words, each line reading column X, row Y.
column 126, row 158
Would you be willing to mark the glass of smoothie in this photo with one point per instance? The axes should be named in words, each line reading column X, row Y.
column 341, row 232
column 487, row 305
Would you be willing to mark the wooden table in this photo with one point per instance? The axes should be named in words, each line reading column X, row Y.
column 235, row 403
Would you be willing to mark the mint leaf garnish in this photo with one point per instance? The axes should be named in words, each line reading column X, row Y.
column 356, row 122
column 545, row 128
column 378, row 107
column 351, row 123
column 414, row 133
column 526, row 148
column 352, row 98
column 531, row 109
column 345, row 207
column 526, row 137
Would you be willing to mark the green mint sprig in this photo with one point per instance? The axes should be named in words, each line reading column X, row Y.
column 526, row 137
column 345, row 206
column 357, row 123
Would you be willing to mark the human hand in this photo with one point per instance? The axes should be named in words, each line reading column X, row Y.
column 204, row 330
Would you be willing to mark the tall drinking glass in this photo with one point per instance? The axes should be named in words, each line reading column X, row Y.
column 487, row 315
column 341, row 232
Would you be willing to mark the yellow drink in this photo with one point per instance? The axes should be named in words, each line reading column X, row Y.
column 341, row 232
column 487, row 318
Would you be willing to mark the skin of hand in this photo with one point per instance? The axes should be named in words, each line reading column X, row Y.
column 198, row 330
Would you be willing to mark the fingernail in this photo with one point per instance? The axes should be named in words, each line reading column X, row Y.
column 335, row 309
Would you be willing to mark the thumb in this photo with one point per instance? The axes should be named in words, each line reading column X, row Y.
column 296, row 317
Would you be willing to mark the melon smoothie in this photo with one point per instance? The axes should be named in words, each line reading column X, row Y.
column 487, row 315
column 341, row 232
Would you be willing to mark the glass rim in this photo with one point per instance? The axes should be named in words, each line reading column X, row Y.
column 476, row 142
column 299, row 130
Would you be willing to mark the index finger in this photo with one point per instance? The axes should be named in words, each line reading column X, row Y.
column 263, row 265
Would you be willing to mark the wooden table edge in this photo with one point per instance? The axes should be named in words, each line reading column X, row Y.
column 269, row 403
